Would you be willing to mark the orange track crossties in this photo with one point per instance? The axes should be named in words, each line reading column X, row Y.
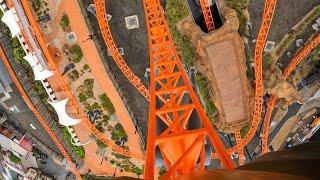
column 268, row 12
column 172, row 101
column 286, row 73
column 106, row 33
column 38, row 115
column 65, row 88
column 207, row 14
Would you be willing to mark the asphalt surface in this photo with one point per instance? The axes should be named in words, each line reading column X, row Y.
column 136, row 53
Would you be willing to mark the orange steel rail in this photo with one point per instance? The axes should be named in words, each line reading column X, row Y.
column 286, row 73
column 172, row 101
column 65, row 88
column 240, row 150
column 268, row 12
column 207, row 14
column 38, row 115
column 106, row 34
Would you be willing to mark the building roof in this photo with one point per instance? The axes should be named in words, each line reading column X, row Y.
column 229, row 81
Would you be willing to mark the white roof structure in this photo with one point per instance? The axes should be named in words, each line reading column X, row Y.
column 11, row 20
column 39, row 72
column 12, row 146
column 64, row 118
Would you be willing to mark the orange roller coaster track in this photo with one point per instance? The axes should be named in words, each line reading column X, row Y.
column 38, row 115
column 65, row 88
column 207, row 14
column 268, row 12
column 286, row 73
column 172, row 101
column 240, row 150
column 106, row 34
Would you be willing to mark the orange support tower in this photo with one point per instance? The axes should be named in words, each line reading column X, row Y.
column 286, row 73
column 172, row 101
column 38, row 115
column 268, row 12
column 207, row 14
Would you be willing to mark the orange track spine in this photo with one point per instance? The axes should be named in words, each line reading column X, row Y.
column 65, row 88
column 240, row 150
column 207, row 14
column 172, row 101
column 38, row 115
column 106, row 34
column 286, row 73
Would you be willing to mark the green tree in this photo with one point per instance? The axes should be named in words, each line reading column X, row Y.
column 106, row 104
column 75, row 53
column 119, row 133
column 64, row 22
column 15, row 159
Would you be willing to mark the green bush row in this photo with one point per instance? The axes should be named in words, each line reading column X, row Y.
column 176, row 10
column 204, row 89
column 79, row 150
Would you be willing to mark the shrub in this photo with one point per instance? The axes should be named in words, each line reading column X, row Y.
column 64, row 22
column 244, row 130
column 119, row 133
column 176, row 10
column 99, row 127
column 82, row 97
column 100, row 144
column 85, row 67
column 89, row 83
column 203, row 85
column 266, row 61
column 106, row 104
column 36, row 4
column 75, row 53
column 239, row 6
column 15, row 159
column 19, row 53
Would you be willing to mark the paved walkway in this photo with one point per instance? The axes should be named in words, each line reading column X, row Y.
column 92, row 160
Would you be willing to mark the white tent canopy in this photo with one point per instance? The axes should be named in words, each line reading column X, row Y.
column 10, row 19
column 64, row 118
column 39, row 72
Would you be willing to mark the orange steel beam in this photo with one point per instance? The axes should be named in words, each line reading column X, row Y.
column 207, row 14
column 38, row 115
column 65, row 88
column 106, row 34
column 240, row 150
column 286, row 73
column 268, row 12
column 172, row 101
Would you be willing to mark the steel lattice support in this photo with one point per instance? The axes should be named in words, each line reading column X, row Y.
column 207, row 14
column 286, row 73
column 172, row 101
